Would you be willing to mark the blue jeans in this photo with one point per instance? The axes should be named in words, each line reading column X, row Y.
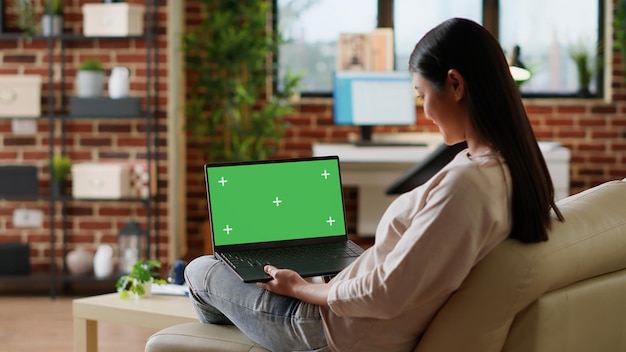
column 275, row 322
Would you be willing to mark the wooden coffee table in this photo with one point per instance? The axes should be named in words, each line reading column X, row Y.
column 158, row 312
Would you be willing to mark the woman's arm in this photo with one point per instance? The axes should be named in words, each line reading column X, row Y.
column 288, row 283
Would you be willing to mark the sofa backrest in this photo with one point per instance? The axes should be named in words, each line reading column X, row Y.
column 591, row 242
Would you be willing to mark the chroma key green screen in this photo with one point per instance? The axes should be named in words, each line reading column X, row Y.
column 272, row 201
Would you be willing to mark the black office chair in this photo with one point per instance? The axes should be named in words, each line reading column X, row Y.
column 426, row 169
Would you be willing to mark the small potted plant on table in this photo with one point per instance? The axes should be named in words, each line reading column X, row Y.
column 139, row 281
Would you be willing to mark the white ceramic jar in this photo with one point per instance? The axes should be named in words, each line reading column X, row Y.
column 103, row 261
column 119, row 85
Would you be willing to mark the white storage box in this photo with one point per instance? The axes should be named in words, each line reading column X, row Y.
column 101, row 180
column 113, row 20
column 20, row 95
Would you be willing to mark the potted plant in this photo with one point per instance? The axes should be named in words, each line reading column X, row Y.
column 61, row 166
column 139, row 281
column 231, row 110
column 52, row 18
column 25, row 17
column 583, row 58
column 90, row 79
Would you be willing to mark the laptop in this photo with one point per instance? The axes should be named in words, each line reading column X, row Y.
column 288, row 213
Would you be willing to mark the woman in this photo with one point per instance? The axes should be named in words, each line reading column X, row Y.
column 429, row 238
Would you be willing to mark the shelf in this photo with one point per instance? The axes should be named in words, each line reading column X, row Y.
column 68, row 278
column 65, row 36
column 33, row 277
column 71, row 117
column 24, row 198
column 143, row 113
column 30, row 198
column 125, row 199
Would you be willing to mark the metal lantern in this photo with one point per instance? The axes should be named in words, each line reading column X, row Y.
column 130, row 244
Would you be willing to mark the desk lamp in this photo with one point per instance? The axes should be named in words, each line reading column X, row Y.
column 519, row 72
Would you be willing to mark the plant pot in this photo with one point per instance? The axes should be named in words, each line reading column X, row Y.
column 57, row 187
column 147, row 288
column 89, row 84
column 51, row 25
column 583, row 93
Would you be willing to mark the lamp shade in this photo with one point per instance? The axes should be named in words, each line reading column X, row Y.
column 519, row 72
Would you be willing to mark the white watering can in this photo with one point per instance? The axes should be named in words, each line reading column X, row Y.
column 119, row 84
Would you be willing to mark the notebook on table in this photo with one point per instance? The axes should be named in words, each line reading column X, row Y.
column 288, row 213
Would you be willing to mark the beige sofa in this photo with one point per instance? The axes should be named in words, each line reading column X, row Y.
column 567, row 294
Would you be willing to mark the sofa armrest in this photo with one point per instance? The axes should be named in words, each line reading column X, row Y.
column 587, row 316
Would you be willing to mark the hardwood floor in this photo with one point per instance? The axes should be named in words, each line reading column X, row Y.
column 39, row 323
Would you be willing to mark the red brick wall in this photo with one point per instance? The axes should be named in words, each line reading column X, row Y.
column 88, row 224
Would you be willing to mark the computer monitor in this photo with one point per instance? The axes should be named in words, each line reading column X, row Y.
column 373, row 98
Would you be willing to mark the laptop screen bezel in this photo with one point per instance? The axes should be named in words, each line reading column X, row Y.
column 273, row 244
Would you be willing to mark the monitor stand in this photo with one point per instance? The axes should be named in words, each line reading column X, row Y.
column 366, row 140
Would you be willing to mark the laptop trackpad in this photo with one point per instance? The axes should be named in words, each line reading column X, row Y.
column 305, row 269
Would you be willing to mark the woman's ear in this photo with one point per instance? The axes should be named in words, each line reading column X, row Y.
column 457, row 83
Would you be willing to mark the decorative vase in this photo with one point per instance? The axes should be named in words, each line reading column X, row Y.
column 89, row 84
column 51, row 25
column 79, row 261
column 119, row 85
column 103, row 261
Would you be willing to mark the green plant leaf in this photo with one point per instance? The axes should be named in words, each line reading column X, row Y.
column 91, row 64
column 25, row 17
column 61, row 166
column 227, row 54
column 142, row 271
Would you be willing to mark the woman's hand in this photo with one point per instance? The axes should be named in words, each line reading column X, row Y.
column 289, row 283
column 284, row 281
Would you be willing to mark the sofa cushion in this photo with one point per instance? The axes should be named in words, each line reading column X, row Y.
column 198, row 337
column 591, row 242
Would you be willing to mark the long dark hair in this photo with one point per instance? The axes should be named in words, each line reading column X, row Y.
column 497, row 113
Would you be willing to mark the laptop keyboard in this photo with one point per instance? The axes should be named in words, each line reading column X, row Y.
column 276, row 256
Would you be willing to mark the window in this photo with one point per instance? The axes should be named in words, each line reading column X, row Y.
column 311, row 29
column 412, row 20
column 545, row 30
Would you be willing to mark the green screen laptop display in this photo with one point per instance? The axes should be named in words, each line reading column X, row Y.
column 275, row 200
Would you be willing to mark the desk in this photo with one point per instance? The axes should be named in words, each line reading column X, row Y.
column 373, row 169
column 158, row 312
